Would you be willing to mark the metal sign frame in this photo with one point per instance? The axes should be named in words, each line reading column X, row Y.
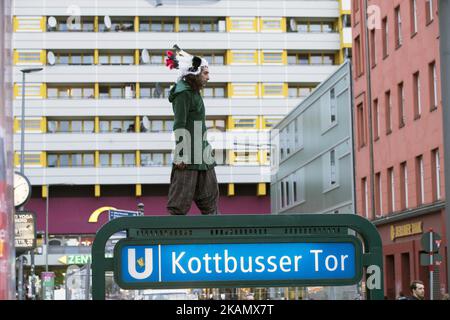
column 244, row 229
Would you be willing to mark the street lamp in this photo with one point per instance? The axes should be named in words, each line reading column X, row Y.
column 22, row 162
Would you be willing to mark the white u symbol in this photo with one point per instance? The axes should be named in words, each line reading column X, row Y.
column 148, row 257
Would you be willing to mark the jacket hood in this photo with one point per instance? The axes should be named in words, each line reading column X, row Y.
column 179, row 87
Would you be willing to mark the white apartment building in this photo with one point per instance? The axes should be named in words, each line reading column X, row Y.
column 97, row 119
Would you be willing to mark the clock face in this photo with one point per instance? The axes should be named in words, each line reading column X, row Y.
column 22, row 189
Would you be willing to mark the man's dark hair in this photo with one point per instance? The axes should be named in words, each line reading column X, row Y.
column 194, row 82
column 414, row 284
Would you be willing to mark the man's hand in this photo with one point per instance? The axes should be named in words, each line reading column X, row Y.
column 180, row 166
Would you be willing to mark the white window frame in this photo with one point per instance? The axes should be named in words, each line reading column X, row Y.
column 366, row 199
column 419, row 100
column 399, row 27
column 414, row 4
column 392, row 179
column 422, row 181
column 435, row 88
column 380, row 193
column 405, row 175
column 438, row 175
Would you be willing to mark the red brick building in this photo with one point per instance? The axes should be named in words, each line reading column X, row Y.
column 398, row 123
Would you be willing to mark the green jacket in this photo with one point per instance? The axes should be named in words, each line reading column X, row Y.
column 189, row 112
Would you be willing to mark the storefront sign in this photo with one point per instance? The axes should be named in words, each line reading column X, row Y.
column 75, row 259
column 25, row 231
column 406, row 230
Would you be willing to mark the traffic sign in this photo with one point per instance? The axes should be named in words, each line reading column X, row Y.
column 431, row 241
column 427, row 260
column 114, row 214
column 141, row 265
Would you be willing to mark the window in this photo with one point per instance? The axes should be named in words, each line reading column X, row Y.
column 391, row 190
column 311, row 59
column 27, row 57
column 272, row 89
column 117, row 126
column 243, row 57
column 198, row 25
column 113, row 92
column 28, row 24
column 311, row 26
column 288, row 140
column 373, row 52
column 420, row 178
column 417, row 100
column 272, row 57
column 365, row 197
column 388, row 109
column 333, row 167
column 70, row 93
column 401, row 105
column 429, row 11
column 116, row 58
column 214, row 58
column 244, row 90
column 413, row 8
column 433, row 85
column 217, row 124
column 156, row 25
column 68, row 126
column 298, row 132
column 65, row 24
column 70, row 160
column 378, row 195
column 270, row 24
column 244, row 123
column 270, row 122
column 154, row 91
column 385, row 31
column 117, row 159
column 245, row 158
column 358, row 57
column 436, row 174
column 361, row 125
column 398, row 27
column 213, row 92
column 118, row 25
column 333, row 107
column 376, row 120
column 299, row 91
column 404, row 185
column 282, row 192
column 149, row 159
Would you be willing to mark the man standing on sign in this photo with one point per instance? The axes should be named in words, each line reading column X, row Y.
column 193, row 177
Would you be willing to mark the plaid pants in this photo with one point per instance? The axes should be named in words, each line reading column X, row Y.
column 198, row 185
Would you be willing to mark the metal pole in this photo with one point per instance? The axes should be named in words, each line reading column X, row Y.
column 20, row 279
column 46, row 227
column 444, row 38
column 431, row 264
column 22, row 127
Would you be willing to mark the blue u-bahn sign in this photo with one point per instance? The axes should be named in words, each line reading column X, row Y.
column 232, row 251
column 147, row 265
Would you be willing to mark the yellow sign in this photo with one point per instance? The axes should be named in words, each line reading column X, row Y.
column 94, row 215
column 406, row 230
